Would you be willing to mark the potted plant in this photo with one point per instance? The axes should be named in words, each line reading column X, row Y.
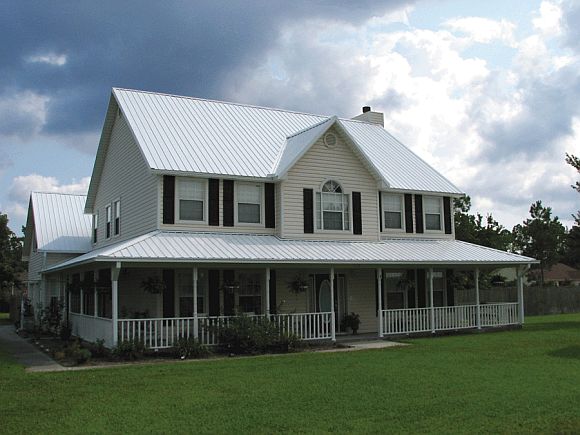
column 298, row 285
column 351, row 321
column 153, row 285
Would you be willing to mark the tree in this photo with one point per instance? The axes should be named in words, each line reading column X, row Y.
column 10, row 255
column 477, row 229
column 575, row 163
column 572, row 252
column 541, row 236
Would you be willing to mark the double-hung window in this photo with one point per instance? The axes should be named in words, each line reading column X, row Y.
column 108, row 228
column 392, row 211
column 439, row 289
column 249, row 199
column 117, row 221
column 95, row 226
column 433, row 207
column 332, row 208
column 191, row 199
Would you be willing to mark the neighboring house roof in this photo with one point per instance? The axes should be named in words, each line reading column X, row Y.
column 192, row 247
column 560, row 272
column 189, row 135
column 59, row 222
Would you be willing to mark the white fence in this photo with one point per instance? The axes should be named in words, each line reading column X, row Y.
column 92, row 328
column 163, row 333
column 412, row 320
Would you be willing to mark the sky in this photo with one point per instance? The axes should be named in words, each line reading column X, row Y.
column 486, row 92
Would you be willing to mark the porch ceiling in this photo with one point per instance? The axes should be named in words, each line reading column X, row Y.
column 195, row 247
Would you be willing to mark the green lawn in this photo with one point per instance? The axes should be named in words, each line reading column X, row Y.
column 5, row 319
column 519, row 381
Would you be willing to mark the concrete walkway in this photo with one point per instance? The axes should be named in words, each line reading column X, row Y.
column 25, row 353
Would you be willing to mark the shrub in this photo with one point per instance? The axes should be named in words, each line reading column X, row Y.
column 244, row 335
column 65, row 331
column 190, row 348
column 129, row 350
column 77, row 353
column 99, row 350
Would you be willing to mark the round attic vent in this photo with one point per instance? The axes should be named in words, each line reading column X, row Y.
column 330, row 140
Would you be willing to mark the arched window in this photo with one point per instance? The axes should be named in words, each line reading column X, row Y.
column 332, row 208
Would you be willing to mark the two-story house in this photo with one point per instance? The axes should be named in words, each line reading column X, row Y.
column 202, row 210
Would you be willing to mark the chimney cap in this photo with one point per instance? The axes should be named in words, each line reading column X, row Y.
column 366, row 109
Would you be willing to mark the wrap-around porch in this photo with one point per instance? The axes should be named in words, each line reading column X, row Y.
column 307, row 301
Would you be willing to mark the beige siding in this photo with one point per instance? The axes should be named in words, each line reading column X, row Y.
column 311, row 171
column 126, row 177
column 36, row 262
column 237, row 228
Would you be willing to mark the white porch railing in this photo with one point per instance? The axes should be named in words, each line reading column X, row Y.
column 499, row 314
column 163, row 333
column 92, row 328
column 412, row 320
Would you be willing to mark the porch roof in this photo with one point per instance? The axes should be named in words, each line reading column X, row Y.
column 196, row 247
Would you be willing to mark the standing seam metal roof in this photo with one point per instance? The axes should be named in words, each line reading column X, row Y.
column 185, row 134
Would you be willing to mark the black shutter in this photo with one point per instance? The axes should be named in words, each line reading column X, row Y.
column 169, row 293
column 168, row 199
column 419, row 212
column 380, row 211
column 213, row 278
column 270, row 206
column 272, row 291
column 450, row 287
column 308, row 211
column 447, row 214
column 356, row 213
column 228, row 203
column 229, row 296
column 408, row 213
column 421, row 288
column 214, row 202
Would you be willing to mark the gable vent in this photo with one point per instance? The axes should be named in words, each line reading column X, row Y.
column 330, row 140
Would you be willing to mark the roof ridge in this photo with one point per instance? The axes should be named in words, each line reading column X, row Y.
column 57, row 193
column 310, row 127
column 231, row 103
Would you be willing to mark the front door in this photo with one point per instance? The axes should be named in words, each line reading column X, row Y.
column 323, row 299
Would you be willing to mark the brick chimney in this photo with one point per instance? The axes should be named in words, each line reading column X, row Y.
column 371, row 117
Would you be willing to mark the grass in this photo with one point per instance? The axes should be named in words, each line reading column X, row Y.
column 510, row 382
column 5, row 319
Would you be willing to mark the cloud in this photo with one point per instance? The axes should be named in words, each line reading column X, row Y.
column 22, row 114
column 19, row 191
column 49, row 58
column 483, row 30
column 548, row 20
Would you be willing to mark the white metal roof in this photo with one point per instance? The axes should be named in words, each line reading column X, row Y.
column 60, row 223
column 173, row 246
column 184, row 134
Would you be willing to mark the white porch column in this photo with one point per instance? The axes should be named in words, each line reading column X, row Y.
column 332, row 319
column 195, row 319
column 115, row 301
column 380, row 300
column 431, row 300
column 267, row 310
column 478, row 312
column 520, row 282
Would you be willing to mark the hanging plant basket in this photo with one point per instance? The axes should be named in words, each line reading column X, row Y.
column 153, row 285
column 298, row 285
column 230, row 286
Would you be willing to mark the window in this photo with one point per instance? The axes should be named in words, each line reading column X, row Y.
column 433, row 206
column 249, row 199
column 396, row 291
column 117, row 214
column 104, row 294
column 439, row 289
column 250, row 293
column 332, row 208
column 95, row 226
column 392, row 211
column 185, row 292
column 108, row 228
column 191, row 200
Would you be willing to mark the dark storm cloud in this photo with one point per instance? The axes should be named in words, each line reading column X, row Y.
column 184, row 47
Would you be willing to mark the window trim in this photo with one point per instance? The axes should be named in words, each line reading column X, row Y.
column 441, row 229
column 401, row 196
column 262, row 222
column 114, row 218
column 108, row 221
column 318, row 212
column 178, row 219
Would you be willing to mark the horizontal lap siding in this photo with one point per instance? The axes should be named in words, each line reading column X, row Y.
column 320, row 164
column 287, row 301
column 360, row 292
column 126, row 176
column 36, row 262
